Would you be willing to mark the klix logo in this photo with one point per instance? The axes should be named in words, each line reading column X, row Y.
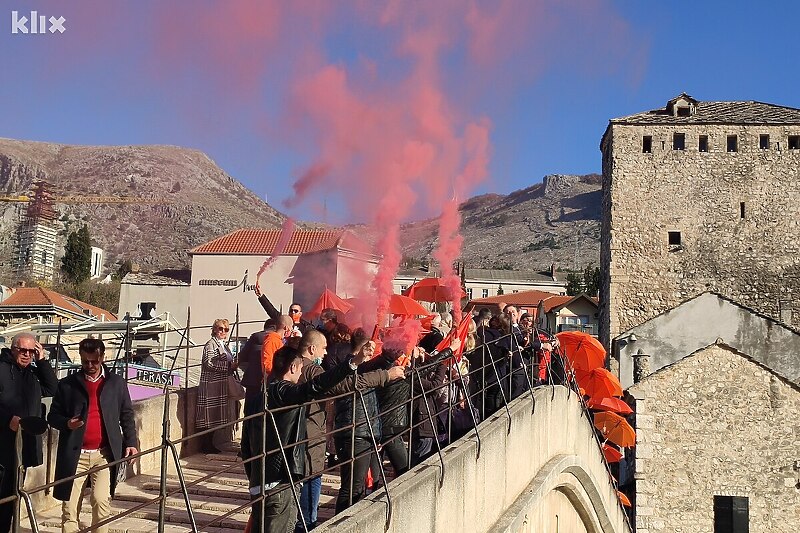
column 36, row 23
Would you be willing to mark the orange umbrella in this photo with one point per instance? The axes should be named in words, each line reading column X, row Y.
column 615, row 429
column 583, row 351
column 611, row 454
column 405, row 306
column 599, row 383
column 431, row 290
column 615, row 405
column 624, row 499
column 329, row 300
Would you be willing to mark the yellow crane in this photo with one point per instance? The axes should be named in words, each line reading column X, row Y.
column 79, row 199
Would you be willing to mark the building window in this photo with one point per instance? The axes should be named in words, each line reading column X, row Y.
column 674, row 238
column 741, row 209
column 484, row 293
column 469, row 293
column 647, row 144
column 733, row 143
column 44, row 257
column 403, row 288
column 683, row 111
column 731, row 514
column 679, row 141
column 702, row 145
column 794, row 142
column 763, row 142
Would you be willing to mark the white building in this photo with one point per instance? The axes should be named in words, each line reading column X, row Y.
column 98, row 257
column 224, row 273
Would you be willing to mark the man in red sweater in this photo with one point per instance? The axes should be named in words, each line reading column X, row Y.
column 93, row 413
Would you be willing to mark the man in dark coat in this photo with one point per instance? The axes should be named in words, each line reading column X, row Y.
column 25, row 377
column 278, row 513
column 295, row 311
column 93, row 414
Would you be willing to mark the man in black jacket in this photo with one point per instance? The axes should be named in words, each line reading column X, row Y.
column 295, row 311
column 25, row 377
column 278, row 512
column 93, row 414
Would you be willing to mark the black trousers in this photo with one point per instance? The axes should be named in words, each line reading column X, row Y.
column 7, row 488
column 352, row 486
column 395, row 448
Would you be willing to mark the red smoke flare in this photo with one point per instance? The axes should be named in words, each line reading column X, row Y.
column 283, row 239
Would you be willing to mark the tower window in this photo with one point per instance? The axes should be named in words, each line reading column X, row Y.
column 794, row 142
column 702, row 145
column 741, row 209
column 763, row 142
column 674, row 238
column 647, row 144
column 733, row 143
column 679, row 141
column 684, row 111
column 731, row 514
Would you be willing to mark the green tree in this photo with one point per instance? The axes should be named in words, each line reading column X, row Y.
column 500, row 290
column 126, row 267
column 574, row 284
column 591, row 280
column 77, row 261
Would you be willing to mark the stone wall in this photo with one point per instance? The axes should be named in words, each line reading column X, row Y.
column 754, row 260
column 716, row 423
column 544, row 473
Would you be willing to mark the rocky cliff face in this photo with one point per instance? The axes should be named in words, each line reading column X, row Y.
column 556, row 221
column 203, row 201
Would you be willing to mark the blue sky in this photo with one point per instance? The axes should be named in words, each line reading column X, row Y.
column 126, row 73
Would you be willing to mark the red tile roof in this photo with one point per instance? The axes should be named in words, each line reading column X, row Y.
column 526, row 298
column 560, row 301
column 263, row 242
column 39, row 296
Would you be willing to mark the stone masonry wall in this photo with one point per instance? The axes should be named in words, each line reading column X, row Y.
column 716, row 423
column 754, row 260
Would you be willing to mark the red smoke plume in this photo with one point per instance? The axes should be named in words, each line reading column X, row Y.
column 283, row 239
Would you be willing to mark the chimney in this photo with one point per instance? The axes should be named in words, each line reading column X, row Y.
column 21, row 284
column 641, row 366
column 135, row 268
column 553, row 271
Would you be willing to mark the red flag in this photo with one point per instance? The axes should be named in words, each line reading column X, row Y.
column 461, row 332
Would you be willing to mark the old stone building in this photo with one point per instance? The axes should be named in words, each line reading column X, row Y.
column 700, row 196
column 718, row 446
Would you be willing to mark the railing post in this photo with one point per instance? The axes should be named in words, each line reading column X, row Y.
column 352, row 451
column 430, row 419
column 471, row 409
column 18, row 479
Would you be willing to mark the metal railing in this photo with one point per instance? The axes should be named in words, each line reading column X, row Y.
column 500, row 371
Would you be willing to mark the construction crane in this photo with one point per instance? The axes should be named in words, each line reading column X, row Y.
column 79, row 199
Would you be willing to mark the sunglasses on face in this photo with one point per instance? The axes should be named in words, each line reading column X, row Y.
column 223, row 329
column 28, row 351
column 293, row 311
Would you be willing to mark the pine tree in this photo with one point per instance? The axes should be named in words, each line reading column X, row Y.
column 77, row 261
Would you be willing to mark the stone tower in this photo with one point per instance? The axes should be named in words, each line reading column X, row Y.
column 700, row 196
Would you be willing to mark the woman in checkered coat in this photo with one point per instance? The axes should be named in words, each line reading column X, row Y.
column 214, row 405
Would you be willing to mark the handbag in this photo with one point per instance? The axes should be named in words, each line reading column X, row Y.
column 235, row 389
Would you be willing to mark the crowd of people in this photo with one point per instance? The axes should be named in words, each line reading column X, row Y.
column 336, row 396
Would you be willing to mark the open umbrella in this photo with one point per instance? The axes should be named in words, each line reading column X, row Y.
column 405, row 306
column 624, row 499
column 599, row 383
column 431, row 290
column 329, row 300
column 615, row 429
column 583, row 351
column 611, row 454
column 615, row 405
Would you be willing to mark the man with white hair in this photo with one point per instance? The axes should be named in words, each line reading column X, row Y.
column 25, row 377
column 432, row 339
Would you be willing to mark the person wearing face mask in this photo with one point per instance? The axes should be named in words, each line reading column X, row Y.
column 25, row 377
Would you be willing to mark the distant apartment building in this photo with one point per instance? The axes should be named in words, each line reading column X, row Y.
column 700, row 196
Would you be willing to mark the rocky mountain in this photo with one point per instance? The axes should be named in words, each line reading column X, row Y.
column 556, row 221
column 203, row 201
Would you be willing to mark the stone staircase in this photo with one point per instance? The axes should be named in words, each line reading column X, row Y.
column 210, row 499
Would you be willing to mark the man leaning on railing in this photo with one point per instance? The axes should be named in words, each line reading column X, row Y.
column 25, row 376
column 278, row 512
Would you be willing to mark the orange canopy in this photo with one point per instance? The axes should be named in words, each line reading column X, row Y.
column 329, row 300
column 624, row 499
column 599, row 383
column 615, row 405
column 432, row 290
column 405, row 306
column 615, row 429
column 583, row 351
column 611, row 454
